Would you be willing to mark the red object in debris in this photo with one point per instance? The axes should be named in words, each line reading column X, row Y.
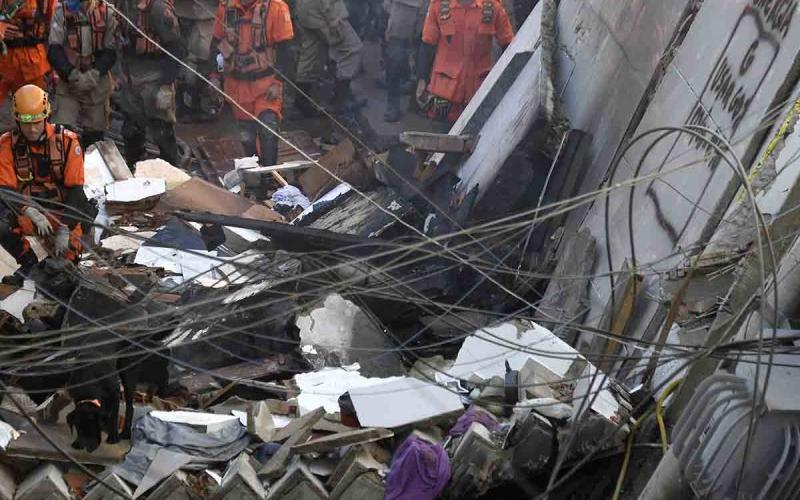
column 347, row 411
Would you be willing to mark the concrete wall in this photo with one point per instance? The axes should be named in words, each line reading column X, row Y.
column 737, row 61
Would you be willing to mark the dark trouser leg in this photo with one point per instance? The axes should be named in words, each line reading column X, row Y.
column 302, row 103
column 89, row 137
column 247, row 136
column 164, row 137
column 134, row 135
column 12, row 241
column 397, row 72
column 267, row 141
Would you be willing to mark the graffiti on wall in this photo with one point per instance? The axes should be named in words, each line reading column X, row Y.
column 736, row 77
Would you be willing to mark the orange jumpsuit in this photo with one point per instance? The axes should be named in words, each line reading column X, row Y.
column 246, row 36
column 463, row 37
column 44, row 171
column 26, row 60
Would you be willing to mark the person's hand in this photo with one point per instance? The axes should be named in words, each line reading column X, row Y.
column 61, row 243
column 9, row 31
column 275, row 91
column 421, row 92
column 74, row 80
column 165, row 97
column 39, row 220
column 215, row 80
column 91, row 79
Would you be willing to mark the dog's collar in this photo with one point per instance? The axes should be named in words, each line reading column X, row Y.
column 95, row 402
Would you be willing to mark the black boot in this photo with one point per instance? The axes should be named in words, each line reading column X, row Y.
column 268, row 141
column 26, row 263
column 393, row 112
column 164, row 137
column 343, row 99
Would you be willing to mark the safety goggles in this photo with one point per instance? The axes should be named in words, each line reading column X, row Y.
column 31, row 118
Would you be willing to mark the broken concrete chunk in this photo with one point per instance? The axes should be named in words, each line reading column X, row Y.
column 531, row 444
column 358, row 475
column 240, row 481
column 102, row 492
column 298, row 484
column 343, row 334
column 175, row 487
column 159, row 169
column 474, row 462
column 403, row 401
column 44, row 482
column 334, row 441
column 7, row 483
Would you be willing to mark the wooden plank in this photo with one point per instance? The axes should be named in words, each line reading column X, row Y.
column 329, row 443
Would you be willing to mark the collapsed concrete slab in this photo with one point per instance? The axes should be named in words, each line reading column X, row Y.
column 344, row 334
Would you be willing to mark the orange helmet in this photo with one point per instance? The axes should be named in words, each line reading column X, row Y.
column 31, row 104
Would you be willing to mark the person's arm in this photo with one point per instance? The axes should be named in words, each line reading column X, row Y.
column 279, row 33
column 106, row 57
column 165, row 27
column 216, row 39
column 56, row 54
column 77, row 202
column 503, row 29
column 430, row 40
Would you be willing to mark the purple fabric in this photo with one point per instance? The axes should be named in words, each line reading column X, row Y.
column 420, row 471
column 470, row 416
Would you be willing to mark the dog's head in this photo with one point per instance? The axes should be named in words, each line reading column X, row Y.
column 87, row 421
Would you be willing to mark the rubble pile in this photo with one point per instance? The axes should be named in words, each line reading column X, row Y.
column 251, row 376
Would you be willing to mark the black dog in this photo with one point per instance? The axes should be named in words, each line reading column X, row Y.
column 96, row 396
column 94, row 384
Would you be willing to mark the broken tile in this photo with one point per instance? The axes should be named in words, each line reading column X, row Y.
column 240, row 481
column 297, row 484
column 101, row 492
column 45, row 481
column 175, row 487
column 358, row 476
column 7, row 483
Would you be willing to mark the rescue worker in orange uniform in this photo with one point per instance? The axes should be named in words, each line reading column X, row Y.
column 42, row 164
column 456, row 53
column 249, row 44
column 23, row 51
